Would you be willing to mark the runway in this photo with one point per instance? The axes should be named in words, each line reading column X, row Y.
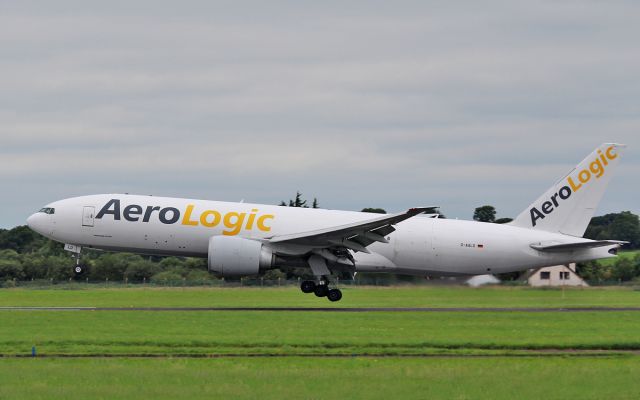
column 332, row 309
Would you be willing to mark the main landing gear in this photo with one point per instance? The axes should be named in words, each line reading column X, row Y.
column 321, row 271
column 321, row 289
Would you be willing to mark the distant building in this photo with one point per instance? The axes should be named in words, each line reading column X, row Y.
column 557, row 275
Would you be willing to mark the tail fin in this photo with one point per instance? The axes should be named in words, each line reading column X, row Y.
column 568, row 206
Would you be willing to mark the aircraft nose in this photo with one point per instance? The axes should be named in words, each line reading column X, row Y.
column 36, row 222
column 31, row 221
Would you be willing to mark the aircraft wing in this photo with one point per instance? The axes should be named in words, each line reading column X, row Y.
column 555, row 246
column 356, row 236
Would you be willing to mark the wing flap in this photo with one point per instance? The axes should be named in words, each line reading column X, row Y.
column 355, row 236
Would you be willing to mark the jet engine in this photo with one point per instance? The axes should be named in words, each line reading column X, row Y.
column 236, row 256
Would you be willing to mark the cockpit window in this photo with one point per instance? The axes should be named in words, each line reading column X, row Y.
column 48, row 210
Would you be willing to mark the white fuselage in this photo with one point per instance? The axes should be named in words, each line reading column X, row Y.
column 183, row 227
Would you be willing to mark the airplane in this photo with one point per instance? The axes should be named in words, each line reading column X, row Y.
column 241, row 239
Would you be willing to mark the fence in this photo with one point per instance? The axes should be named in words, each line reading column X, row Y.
column 248, row 282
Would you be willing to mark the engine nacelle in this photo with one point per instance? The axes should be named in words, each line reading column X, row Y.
column 236, row 256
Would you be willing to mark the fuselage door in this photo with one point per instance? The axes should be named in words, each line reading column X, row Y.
column 88, row 214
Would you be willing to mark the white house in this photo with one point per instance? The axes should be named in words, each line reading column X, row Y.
column 557, row 275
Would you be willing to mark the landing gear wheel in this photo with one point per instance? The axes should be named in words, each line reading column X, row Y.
column 307, row 286
column 79, row 269
column 334, row 295
column 321, row 290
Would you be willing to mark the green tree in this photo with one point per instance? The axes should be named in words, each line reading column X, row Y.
column 274, row 275
column 592, row 271
column 51, row 248
column 10, row 265
column 33, row 266
column 172, row 263
column 9, row 254
column 166, row 277
column 503, row 220
column 620, row 226
column 300, row 202
column 112, row 266
column 196, row 264
column 624, row 270
column 485, row 214
column 21, row 239
column 141, row 270
column 195, row 275
column 58, row 268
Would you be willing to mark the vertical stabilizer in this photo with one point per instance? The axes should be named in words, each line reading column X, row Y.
column 568, row 206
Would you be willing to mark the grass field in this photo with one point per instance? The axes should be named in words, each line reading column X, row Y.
column 305, row 378
column 623, row 254
column 320, row 354
column 409, row 296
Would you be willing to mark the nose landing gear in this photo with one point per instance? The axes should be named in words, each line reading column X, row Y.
column 79, row 268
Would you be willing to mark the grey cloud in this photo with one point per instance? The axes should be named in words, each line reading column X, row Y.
column 363, row 104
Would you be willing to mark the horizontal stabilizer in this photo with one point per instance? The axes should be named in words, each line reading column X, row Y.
column 556, row 246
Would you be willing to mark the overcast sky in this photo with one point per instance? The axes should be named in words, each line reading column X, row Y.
column 380, row 104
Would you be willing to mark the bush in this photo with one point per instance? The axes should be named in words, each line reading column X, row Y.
column 112, row 266
column 274, row 275
column 593, row 272
column 171, row 263
column 200, row 276
column 9, row 283
column 34, row 266
column 51, row 248
column 9, row 254
column 141, row 270
column 166, row 277
column 196, row 263
column 59, row 268
column 624, row 270
column 10, row 269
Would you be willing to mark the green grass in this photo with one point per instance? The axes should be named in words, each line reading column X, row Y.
column 623, row 254
column 409, row 296
column 173, row 333
column 224, row 332
column 366, row 378
column 502, row 341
